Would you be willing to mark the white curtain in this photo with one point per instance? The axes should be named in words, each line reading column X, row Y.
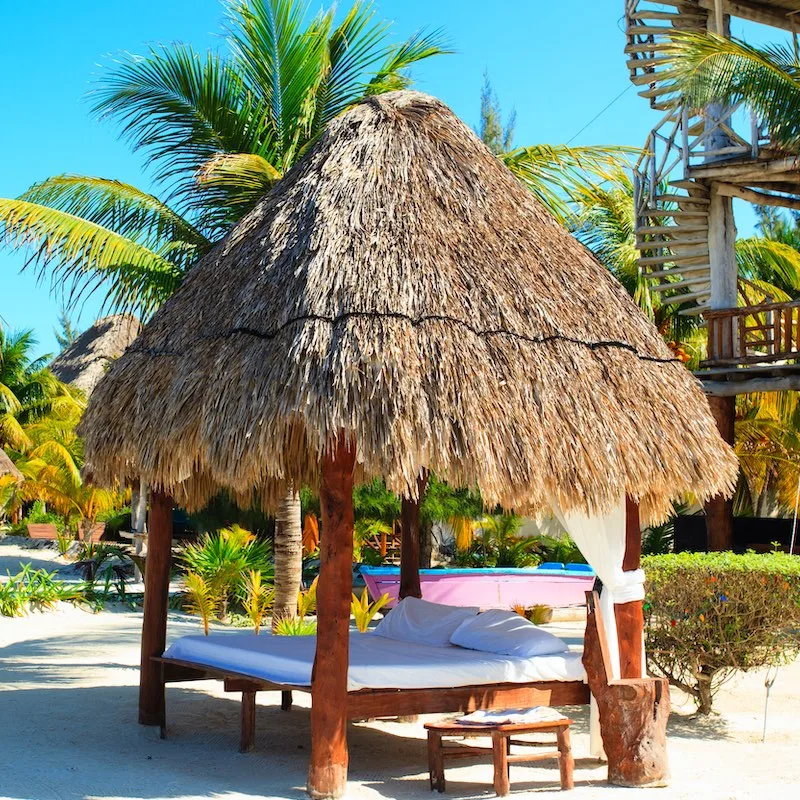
column 601, row 539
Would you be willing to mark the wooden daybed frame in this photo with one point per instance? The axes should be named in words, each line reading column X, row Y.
column 372, row 703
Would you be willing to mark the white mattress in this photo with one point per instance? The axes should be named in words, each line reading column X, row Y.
column 375, row 661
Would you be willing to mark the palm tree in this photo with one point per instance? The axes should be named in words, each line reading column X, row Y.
column 706, row 68
column 28, row 390
column 219, row 133
column 557, row 175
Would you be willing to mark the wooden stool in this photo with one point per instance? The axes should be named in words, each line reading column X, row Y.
column 501, row 736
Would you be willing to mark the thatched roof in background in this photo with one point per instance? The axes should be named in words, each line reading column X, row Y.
column 87, row 359
column 401, row 286
column 7, row 466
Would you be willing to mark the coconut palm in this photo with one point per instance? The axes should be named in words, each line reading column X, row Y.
column 219, row 133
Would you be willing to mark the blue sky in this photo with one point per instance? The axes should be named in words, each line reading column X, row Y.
column 557, row 75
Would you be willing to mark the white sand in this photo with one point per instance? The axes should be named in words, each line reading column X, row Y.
column 68, row 729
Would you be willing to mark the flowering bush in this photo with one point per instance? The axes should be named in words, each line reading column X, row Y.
column 708, row 615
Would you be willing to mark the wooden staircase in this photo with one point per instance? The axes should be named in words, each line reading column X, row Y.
column 671, row 211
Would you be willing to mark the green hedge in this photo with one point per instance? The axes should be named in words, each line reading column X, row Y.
column 709, row 615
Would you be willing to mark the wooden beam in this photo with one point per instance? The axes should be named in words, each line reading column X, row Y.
column 759, row 198
column 744, row 170
column 410, row 528
column 726, row 389
column 753, row 11
column 327, row 772
column 630, row 616
column 154, row 622
column 719, row 510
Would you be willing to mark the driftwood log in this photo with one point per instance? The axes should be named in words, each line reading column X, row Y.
column 633, row 712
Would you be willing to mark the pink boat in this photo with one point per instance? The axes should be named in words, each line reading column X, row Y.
column 554, row 585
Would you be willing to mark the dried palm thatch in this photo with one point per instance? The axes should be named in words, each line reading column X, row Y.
column 87, row 359
column 8, row 467
column 400, row 286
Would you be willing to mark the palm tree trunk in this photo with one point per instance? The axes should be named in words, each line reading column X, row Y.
column 288, row 558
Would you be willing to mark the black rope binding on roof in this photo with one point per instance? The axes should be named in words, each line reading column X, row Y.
column 415, row 322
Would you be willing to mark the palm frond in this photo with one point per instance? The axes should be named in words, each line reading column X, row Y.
column 85, row 256
column 391, row 75
column 706, row 68
column 763, row 259
column 558, row 175
column 280, row 62
column 182, row 108
column 233, row 183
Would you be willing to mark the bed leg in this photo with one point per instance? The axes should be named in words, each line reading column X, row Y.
column 248, row 736
column 286, row 701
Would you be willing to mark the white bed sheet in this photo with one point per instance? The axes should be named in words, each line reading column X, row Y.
column 375, row 661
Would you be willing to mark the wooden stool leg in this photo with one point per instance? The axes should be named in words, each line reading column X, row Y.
column 247, row 739
column 500, row 751
column 286, row 701
column 566, row 763
column 435, row 761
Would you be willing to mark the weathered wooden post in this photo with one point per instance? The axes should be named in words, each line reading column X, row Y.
column 327, row 772
column 724, row 288
column 410, row 529
column 156, row 596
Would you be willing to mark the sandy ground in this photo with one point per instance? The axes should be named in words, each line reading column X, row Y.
column 68, row 700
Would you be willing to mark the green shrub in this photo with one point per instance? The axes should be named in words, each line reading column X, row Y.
column 709, row 615
column 559, row 549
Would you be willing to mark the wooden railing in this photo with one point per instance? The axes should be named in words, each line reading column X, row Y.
column 753, row 334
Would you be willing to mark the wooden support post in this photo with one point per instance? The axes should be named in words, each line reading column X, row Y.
column 327, row 773
column 630, row 616
column 719, row 511
column 410, row 541
column 286, row 700
column 154, row 624
column 633, row 712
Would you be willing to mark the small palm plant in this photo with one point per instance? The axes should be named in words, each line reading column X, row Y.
column 258, row 598
column 307, row 601
column 201, row 598
column 363, row 611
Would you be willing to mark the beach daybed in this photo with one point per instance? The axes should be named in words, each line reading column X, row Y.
column 388, row 676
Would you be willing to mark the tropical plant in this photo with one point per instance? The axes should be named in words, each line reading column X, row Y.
column 366, row 534
column 64, row 540
column 363, row 611
column 28, row 390
column 225, row 558
column 556, row 174
column 96, row 559
column 31, row 588
column 502, row 546
column 202, row 598
column 307, row 601
column 257, row 598
column 296, row 627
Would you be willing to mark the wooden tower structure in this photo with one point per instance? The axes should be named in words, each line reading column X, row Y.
column 696, row 160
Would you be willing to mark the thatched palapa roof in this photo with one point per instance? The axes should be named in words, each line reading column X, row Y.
column 401, row 286
column 87, row 359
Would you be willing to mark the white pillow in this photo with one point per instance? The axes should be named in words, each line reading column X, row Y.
column 506, row 633
column 415, row 620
